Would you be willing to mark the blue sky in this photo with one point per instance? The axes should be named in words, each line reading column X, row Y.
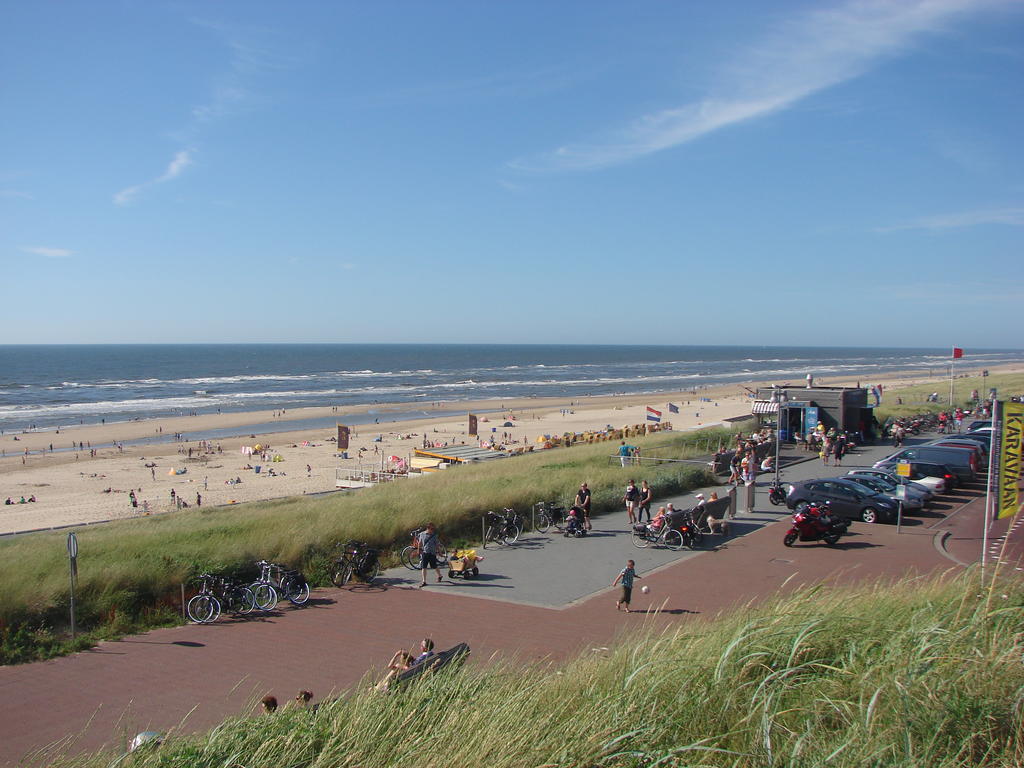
column 805, row 173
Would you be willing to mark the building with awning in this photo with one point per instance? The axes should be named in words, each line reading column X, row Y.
column 842, row 408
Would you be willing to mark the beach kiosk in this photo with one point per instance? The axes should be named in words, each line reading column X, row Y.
column 842, row 408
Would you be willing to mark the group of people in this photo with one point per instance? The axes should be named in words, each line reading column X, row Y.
column 30, row 500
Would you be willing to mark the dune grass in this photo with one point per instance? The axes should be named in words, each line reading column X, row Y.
column 909, row 674
column 130, row 572
column 914, row 396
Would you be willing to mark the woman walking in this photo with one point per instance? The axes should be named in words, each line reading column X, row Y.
column 632, row 499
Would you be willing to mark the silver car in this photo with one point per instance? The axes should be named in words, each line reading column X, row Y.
column 915, row 498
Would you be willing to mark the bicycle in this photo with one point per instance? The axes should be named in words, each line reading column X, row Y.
column 357, row 559
column 643, row 536
column 289, row 584
column 548, row 513
column 503, row 528
column 411, row 554
column 263, row 588
column 204, row 607
column 234, row 597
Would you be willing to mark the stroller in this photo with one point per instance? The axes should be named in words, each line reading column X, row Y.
column 574, row 523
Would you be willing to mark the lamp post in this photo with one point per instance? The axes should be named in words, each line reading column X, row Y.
column 779, row 398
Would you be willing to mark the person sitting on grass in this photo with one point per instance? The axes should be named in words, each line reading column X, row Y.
column 269, row 704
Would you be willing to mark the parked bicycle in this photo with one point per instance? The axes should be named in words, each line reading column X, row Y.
column 548, row 513
column 286, row 583
column 204, row 607
column 217, row 594
column 503, row 527
column 357, row 559
column 263, row 588
column 411, row 554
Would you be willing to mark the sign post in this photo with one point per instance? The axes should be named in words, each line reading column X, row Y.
column 73, row 557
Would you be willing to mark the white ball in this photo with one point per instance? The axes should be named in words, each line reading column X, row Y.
column 645, row 589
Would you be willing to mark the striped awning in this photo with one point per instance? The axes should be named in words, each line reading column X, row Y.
column 764, row 406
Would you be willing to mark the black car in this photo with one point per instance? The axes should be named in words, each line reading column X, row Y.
column 845, row 499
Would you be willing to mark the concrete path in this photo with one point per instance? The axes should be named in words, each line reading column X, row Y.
column 546, row 598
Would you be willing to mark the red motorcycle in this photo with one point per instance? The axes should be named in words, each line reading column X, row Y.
column 815, row 524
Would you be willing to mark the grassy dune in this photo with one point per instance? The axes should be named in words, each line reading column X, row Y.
column 913, row 397
column 921, row 673
column 130, row 571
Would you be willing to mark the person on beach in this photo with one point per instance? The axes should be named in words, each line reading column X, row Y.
column 646, row 495
column 427, row 540
column 626, row 576
column 631, row 498
column 582, row 502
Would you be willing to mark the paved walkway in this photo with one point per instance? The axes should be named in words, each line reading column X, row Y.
column 197, row 675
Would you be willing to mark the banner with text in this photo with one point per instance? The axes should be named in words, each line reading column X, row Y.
column 472, row 424
column 1010, row 453
column 343, row 432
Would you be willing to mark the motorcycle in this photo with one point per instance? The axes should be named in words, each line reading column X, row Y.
column 815, row 524
column 777, row 493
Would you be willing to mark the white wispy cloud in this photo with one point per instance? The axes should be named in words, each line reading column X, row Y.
column 1013, row 217
column 50, row 253
column 178, row 164
column 812, row 52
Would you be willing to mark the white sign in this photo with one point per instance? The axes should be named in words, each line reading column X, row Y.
column 72, row 545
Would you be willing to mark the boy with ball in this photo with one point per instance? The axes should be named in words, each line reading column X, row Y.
column 626, row 576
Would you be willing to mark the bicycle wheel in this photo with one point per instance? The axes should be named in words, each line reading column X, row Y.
column 266, row 596
column 299, row 593
column 639, row 539
column 442, row 555
column 543, row 522
column 512, row 532
column 246, row 600
column 674, row 540
column 411, row 558
column 200, row 609
column 490, row 536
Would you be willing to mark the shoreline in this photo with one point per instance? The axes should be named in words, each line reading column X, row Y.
column 92, row 484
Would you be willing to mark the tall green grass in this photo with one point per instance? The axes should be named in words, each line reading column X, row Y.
column 914, row 396
column 906, row 674
column 130, row 572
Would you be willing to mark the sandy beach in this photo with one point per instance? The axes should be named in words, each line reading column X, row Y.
column 93, row 483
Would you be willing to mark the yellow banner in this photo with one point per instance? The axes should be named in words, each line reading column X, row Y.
column 1011, row 451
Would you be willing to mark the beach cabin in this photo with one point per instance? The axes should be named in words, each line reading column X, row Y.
column 844, row 408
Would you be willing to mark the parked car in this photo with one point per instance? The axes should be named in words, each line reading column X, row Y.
column 925, row 469
column 979, row 424
column 913, row 499
column 961, row 461
column 927, row 487
column 845, row 498
column 980, row 451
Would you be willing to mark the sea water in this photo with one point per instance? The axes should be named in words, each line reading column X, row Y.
column 46, row 386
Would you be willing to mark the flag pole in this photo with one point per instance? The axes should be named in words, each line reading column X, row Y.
column 952, row 360
column 993, row 461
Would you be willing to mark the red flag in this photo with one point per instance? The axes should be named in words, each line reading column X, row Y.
column 957, row 353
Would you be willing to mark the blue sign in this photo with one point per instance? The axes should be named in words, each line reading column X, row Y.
column 810, row 418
